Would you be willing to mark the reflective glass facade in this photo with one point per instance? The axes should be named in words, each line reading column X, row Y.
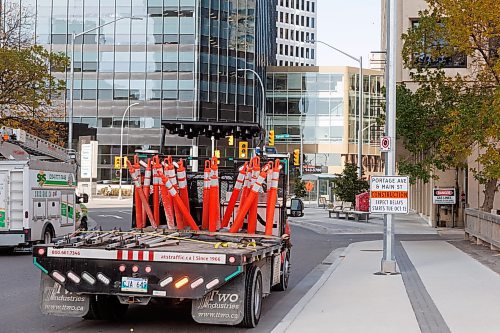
column 318, row 107
column 179, row 62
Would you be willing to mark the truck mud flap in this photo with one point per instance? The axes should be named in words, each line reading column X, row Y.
column 57, row 301
column 223, row 306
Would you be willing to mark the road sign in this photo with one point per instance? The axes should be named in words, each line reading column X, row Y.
column 282, row 136
column 389, row 194
column 385, row 143
column 309, row 186
column 444, row 196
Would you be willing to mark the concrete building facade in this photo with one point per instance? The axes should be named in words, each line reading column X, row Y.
column 296, row 23
column 470, row 192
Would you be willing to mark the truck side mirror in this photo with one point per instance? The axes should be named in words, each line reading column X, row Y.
column 296, row 207
column 84, row 198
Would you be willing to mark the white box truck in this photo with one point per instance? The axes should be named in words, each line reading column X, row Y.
column 37, row 191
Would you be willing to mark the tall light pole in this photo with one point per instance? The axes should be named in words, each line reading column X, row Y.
column 72, row 73
column 360, row 118
column 263, row 115
column 121, row 150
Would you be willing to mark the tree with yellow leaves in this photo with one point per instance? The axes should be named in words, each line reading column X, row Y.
column 27, row 87
column 448, row 117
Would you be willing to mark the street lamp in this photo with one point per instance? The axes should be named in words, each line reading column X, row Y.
column 121, row 150
column 263, row 116
column 72, row 73
column 361, row 79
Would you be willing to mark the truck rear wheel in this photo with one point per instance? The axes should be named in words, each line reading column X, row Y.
column 48, row 235
column 253, row 297
column 285, row 273
column 105, row 307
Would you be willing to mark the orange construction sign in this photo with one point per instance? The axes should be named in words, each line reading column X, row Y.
column 309, row 186
column 389, row 194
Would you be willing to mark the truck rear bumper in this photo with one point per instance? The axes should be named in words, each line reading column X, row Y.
column 12, row 238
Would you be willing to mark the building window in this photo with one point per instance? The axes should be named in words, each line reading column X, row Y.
column 312, row 22
column 457, row 60
column 313, row 9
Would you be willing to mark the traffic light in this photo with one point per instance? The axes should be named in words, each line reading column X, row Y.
column 118, row 164
column 296, row 157
column 217, row 154
column 271, row 138
column 243, row 151
column 230, row 140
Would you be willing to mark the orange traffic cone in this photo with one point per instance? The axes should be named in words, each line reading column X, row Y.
column 183, row 189
column 206, row 196
column 252, row 214
column 234, row 195
column 142, row 202
column 246, row 205
column 214, row 213
column 272, row 196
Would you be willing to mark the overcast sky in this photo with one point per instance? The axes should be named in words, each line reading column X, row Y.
column 352, row 26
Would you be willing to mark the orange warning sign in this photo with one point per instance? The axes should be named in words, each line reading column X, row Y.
column 309, row 186
column 389, row 194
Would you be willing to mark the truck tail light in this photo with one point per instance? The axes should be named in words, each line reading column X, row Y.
column 89, row 278
column 58, row 277
column 103, row 278
column 148, row 269
column 182, row 282
column 73, row 277
column 197, row 283
column 212, row 283
column 122, row 268
column 135, row 268
column 41, row 251
column 166, row 281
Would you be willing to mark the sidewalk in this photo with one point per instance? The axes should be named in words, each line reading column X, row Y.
column 440, row 289
column 109, row 202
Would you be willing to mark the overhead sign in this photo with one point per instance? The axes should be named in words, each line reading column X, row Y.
column 385, row 143
column 312, row 169
column 444, row 196
column 389, row 194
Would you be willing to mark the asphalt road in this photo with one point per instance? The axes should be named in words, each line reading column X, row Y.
column 20, row 289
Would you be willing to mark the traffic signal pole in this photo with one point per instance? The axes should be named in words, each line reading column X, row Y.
column 388, row 265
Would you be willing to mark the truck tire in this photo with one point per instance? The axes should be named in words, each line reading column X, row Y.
column 253, row 297
column 48, row 235
column 285, row 274
column 93, row 313
column 108, row 307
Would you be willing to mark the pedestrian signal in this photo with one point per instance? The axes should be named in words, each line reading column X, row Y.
column 230, row 140
column 243, row 150
column 296, row 157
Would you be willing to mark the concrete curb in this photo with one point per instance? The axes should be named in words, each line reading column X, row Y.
column 297, row 309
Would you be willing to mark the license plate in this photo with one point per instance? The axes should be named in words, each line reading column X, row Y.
column 137, row 285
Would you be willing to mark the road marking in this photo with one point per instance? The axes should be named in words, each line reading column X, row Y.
column 128, row 212
column 113, row 216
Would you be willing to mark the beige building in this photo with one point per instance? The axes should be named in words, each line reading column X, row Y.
column 421, row 195
column 315, row 108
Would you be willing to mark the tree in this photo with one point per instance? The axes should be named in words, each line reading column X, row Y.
column 27, row 87
column 347, row 185
column 448, row 117
column 299, row 188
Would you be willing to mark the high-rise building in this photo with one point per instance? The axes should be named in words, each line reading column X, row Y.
column 296, row 24
column 177, row 58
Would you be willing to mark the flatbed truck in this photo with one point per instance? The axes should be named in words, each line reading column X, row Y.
column 98, row 274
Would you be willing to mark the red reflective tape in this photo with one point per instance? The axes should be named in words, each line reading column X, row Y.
column 140, row 255
column 130, row 255
column 151, row 256
column 119, row 255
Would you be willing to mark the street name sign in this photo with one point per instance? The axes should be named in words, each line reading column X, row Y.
column 389, row 194
column 444, row 196
column 282, row 136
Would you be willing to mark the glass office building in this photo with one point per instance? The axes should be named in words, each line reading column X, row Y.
column 317, row 108
column 177, row 58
